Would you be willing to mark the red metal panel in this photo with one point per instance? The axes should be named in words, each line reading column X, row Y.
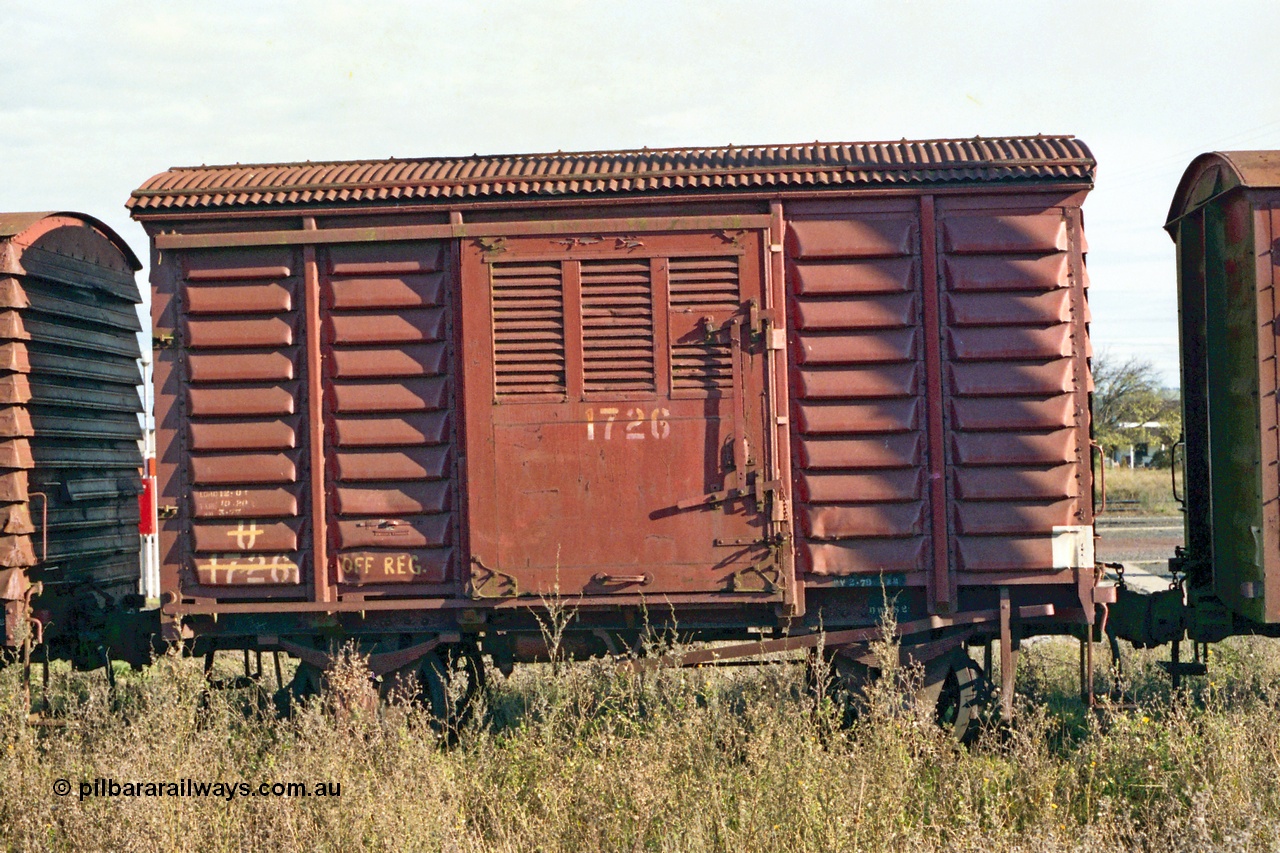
column 427, row 428
column 274, row 332
column 1019, row 417
column 409, row 360
column 217, row 538
column 396, row 291
column 1007, row 234
column 388, row 403
column 242, row 401
column 261, row 366
column 242, row 299
column 849, row 522
column 244, row 435
column 1006, row 553
column 889, row 345
column 1006, row 379
column 986, row 518
column 864, row 556
column 592, row 436
column 1009, row 483
column 987, row 273
column 1004, row 309
column 895, row 485
column 883, row 275
column 995, row 413
column 855, row 313
column 857, row 389
column 245, row 440
column 408, row 326
column 967, row 344
column 1011, row 448
column 404, row 498
column 885, row 416
column 848, row 383
column 246, row 468
column 244, row 503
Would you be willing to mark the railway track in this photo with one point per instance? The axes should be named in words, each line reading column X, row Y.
column 1143, row 544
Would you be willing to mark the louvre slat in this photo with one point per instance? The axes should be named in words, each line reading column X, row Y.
column 528, row 328
column 617, row 326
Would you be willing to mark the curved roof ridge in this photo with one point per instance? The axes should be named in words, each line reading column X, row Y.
column 1216, row 172
column 1038, row 157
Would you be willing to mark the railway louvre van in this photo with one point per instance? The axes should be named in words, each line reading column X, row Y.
column 743, row 393
column 1225, row 223
column 69, row 431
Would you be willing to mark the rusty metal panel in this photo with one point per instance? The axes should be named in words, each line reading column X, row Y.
column 597, row 388
column 251, row 439
column 1006, row 380
column 389, row 399
column 857, row 394
column 619, row 383
column 1004, row 234
column 1015, row 383
column 241, row 446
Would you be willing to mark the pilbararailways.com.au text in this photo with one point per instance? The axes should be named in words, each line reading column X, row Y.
column 195, row 788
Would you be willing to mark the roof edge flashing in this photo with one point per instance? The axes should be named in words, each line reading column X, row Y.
column 1217, row 172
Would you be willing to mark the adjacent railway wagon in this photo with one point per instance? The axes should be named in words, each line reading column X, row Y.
column 1225, row 221
column 69, row 431
column 741, row 392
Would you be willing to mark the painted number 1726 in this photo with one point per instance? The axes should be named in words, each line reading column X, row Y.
column 634, row 423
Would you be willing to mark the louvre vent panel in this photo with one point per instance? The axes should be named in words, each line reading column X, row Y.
column 528, row 328
column 704, row 284
column 617, row 326
column 701, row 366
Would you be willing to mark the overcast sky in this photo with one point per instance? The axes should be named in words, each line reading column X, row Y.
column 98, row 96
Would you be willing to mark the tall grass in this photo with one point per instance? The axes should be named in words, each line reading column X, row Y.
column 687, row 760
column 1145, row 491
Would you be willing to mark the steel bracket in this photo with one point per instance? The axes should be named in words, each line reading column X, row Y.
column 764, row 576
column 491, row 583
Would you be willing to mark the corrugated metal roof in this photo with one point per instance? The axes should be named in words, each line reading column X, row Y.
column 1038, row 158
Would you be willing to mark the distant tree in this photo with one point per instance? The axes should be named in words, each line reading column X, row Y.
column 1128, row 394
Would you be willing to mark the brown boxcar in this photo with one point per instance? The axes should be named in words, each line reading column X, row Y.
column 69, row 433
column 742, row 391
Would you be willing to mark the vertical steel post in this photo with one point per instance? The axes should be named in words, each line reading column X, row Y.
column 1008, row 656
column 777, row 364
column 940, row 599
column 315, row 423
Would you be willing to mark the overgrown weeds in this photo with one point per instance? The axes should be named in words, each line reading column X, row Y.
column 698, row 759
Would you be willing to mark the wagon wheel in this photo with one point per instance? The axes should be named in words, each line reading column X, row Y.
column 307, row 681
column 450, row 679
column 845, row 684
column 959, row 701
column 953, row 682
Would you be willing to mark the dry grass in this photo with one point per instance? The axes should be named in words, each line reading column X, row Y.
column 678, row 760
column 1144, row 491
